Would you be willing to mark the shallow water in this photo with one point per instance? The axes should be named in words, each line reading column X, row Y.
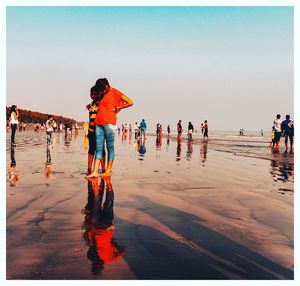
column 175, row 210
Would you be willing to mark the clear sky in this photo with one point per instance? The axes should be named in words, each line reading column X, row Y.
column 230, row 65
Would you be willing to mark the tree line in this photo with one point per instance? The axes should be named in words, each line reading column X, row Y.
column 28, row 116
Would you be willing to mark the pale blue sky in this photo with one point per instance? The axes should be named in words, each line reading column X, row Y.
column 230, row 65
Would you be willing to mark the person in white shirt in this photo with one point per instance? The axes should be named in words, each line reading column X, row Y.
column 277, row 127
column 136, row 129
column 13, row 119
column 49, row 129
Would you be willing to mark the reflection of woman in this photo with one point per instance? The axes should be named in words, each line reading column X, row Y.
column 13, row 118
column 12, row 172
column 111, row 101
column 99, row 226
column 48, row 165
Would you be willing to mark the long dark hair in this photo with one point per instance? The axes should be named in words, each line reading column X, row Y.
column 12, row 109
column 99, row 87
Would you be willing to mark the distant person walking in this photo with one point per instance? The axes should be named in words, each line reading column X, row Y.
column 277, row 127
column 49, row 129
column 143, row 127
column 14, row 121
column 205, row 129
column 168, row 130
column 110, row 102
column 190, row 130
column 287, row 127
column 179, row 129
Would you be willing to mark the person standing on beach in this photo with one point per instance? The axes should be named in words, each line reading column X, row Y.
column 86, row 128
column 179, row 129
column 205, row 129
column 54, row 126
column 157, row 130
column 190, row 130
column 136, row 129
column 110, row 102
column 277, row 126
column 272, row 136
column 93, row 110
column 14, row 121
column 168, row 130
column 287, row 127
column 143, row 127
column 49, row 129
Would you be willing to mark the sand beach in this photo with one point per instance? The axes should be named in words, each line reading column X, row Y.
column 216, row 209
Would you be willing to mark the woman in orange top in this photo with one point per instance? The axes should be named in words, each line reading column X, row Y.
column 111, row 101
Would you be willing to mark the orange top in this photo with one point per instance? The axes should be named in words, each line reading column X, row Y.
column 106, row 113
column 107, row 250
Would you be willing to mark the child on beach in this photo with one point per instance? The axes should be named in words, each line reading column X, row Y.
column 110, row 102
column 272, row 136
column 93, row 110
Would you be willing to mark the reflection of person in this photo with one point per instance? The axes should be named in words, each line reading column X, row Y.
column 203, row 151
column 159, row 136
column 178, row 150
column 110, row 102
column 141, row 148
column 283, row 171
column 100, row 227
column 12, row 173
column 48, row 164
column 14, row 121
column 13, row 176
column 189, row 151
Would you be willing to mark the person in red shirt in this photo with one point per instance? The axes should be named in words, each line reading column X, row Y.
column 110, row 102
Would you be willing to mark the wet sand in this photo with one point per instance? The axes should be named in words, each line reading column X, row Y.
column 181, row 211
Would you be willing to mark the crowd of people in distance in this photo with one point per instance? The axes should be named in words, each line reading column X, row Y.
column 106, row 103
column 203, row 127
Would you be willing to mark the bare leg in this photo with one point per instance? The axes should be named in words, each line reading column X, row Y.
column 108, row 169
column 95, row 173
column 103, row 161
column 90, row 163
